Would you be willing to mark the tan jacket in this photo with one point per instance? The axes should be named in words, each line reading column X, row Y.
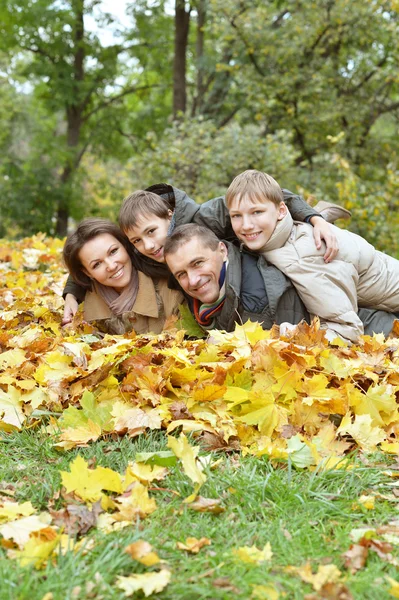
column 359, row 276
column 155, row 302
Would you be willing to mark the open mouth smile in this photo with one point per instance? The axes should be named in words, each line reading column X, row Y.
column 251, row 236
column 158, row 252
column 118, row 274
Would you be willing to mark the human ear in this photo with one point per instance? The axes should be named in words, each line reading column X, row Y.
column 223, row 250
column 282, row 211
column 170, row 214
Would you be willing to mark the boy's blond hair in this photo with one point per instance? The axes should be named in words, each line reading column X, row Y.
column 142, row 204
column 257, row 186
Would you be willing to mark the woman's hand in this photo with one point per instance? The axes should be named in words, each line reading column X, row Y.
column 70, row 309
column 324, row 231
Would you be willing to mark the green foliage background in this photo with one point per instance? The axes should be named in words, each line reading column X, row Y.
column 306, row 91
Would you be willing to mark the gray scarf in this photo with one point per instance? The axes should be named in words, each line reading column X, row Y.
column 123, row 302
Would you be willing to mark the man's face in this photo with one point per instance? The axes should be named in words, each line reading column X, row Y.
column 149, row 236
column 254, row 222
column 197, row 269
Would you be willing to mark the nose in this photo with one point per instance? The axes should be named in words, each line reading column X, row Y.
column 247, row 222
column 148, row 243
column 110, row 263
column 193, row 279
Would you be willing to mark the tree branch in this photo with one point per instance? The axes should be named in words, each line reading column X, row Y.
column 122, row 94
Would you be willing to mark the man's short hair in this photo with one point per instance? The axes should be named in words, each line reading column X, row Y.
column 141, row 204
column 185, row 233
column 257, row 186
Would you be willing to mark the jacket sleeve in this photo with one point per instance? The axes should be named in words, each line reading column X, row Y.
column 214, row 214
column 71, row 287
column 299, row 209
column 330, row 292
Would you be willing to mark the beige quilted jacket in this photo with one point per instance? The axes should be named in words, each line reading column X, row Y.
column 360, row 276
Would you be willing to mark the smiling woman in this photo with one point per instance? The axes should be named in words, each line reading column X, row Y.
column 118, row 297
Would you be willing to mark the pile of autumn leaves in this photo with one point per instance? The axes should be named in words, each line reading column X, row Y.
column 294, row 399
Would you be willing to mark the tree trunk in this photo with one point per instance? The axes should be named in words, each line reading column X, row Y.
column 182, row 24
column 74, row 117
column 198, row 102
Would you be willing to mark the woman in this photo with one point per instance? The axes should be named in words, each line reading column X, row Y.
column 100, row 259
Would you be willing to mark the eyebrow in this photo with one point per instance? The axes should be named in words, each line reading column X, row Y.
column 94, row 260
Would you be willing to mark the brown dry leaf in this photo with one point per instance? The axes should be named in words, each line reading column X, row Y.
column 142, row 552
column 355, row 558
column 77, row 518
column 193, row 545
column 212, row 505
column 215, row 441
column 224, row 583
column 331, row 591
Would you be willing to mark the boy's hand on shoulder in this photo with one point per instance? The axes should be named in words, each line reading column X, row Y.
column 324, row 231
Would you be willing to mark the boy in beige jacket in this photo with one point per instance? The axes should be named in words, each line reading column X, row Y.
column 360, row 276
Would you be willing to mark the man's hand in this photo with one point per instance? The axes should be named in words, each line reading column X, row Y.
column 70, row 309
column 324, row 231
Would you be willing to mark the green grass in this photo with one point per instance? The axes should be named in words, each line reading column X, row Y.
column 305, row 516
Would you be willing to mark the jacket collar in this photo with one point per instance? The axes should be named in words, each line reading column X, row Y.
column 280, row 235
column 146, row 302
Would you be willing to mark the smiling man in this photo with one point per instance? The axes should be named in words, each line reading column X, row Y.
column 226, row 285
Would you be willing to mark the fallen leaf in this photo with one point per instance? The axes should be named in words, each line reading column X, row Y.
column 149, row 583
column 142, row 552
column 193, row 545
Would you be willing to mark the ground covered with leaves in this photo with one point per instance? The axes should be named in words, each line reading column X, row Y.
column 243, row 465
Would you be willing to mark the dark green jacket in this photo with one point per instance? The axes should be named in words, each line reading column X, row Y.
column 257, row 291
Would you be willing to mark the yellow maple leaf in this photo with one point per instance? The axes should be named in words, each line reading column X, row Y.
column 79, row 436
column 12, row 358
column 325, row 574
column 193, row 545
column 38, row 550
column 379, row 402
column 367, row 502
column 365, row 435
column 188, row 456
column 264, row 592
column 208, row 392
column 9, row 511
column 252, row 555
column 142, row 552
column 394, row 589
column 149, row 583
column 136, row 420
column 316, row 390
column 137, row 503
column 89, row 483
column 19, row 530
column 144, row 473
column 11, row 407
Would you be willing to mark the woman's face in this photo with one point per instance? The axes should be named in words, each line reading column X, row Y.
column 105, row 259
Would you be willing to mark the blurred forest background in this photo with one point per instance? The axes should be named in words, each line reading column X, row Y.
column 192, row 93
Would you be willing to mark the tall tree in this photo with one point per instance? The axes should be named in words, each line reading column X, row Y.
column 182, row 25
column 73, row 74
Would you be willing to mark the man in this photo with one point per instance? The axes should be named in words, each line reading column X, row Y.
column 225, row 285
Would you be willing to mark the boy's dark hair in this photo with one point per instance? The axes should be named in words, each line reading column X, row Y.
column 185, row 233
column 257, row 186
column 87, row 230
column 141, row 203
